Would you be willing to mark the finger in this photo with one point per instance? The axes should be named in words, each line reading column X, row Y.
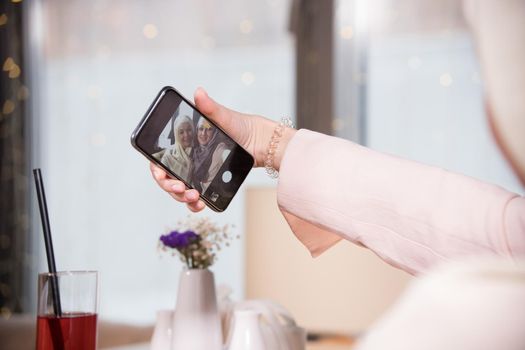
column 188, row 196
column 191, row 196
column 178, row 197
column 172, row 186
column 165, row 182
column 196, row 206
column 157, row 172
column 185, row 196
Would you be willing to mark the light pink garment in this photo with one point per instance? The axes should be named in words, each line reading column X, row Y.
column 477, row 304
column 415, row 216
column 411, row 215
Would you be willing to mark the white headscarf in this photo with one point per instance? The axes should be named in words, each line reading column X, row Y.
column 177, row 158
column 499, row 31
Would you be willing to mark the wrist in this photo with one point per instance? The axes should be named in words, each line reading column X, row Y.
column 288, row 134
column 276, row 147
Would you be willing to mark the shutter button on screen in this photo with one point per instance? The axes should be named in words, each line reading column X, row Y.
column 227, row 176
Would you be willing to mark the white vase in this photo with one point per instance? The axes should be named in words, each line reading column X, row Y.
column 246, row 332
column 196, row 323
column 161, row 338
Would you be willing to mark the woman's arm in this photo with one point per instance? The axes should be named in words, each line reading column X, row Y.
column 411, row 215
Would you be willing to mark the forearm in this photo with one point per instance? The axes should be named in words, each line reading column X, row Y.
column 410, row 214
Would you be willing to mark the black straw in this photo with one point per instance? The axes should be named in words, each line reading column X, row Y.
column 47, row 239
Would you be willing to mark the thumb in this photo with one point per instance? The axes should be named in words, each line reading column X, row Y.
column 236, row 125
column 210, row 108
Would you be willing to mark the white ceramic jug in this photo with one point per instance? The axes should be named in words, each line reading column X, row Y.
column 246, row 332
column 161, row 338
column 278, row 327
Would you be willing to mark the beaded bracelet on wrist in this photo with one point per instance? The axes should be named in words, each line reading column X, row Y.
column 273, row 145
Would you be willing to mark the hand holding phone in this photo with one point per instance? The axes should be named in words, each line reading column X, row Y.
column 189, row 147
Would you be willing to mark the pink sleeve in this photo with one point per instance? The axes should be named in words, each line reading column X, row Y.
column 410, row 214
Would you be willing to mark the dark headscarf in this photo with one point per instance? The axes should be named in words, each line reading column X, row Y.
column 202, row 156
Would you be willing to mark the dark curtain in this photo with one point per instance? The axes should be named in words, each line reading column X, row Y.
column 312, row 23
column 14, row 218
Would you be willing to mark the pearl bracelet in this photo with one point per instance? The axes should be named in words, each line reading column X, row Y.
column 272, row 147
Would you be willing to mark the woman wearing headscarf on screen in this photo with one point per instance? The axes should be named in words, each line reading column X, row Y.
column 207, row 155
column 177, row 158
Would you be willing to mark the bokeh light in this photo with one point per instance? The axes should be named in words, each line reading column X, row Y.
column 150, row 31
column 445, row 79
column 347, row 32
column 8, row 107
column 248, row 78
column 246, row 26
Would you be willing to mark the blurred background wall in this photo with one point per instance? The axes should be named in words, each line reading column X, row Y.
column 403, row 78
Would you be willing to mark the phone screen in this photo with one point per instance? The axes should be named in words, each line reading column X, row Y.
column 176, row 136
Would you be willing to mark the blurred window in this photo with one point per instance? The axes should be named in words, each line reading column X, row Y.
column 100, row 64
column 408, row 82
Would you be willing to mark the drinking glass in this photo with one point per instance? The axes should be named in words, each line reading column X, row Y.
column 67, row 310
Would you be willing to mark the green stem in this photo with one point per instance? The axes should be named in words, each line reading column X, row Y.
column 184, row 253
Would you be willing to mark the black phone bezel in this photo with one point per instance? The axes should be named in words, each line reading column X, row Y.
column 140, row 127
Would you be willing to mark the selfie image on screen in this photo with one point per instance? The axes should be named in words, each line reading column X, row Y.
column 192, row 147
column 175, row 136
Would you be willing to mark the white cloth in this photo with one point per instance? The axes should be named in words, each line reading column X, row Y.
column 473, row 305
column 498, row 27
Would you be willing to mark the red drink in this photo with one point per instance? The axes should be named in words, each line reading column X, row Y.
column 72, row 331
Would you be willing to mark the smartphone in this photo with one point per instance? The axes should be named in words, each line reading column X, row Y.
column 177, row 137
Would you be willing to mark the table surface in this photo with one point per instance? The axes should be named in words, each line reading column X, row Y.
column 311, row 346
column 19, row 333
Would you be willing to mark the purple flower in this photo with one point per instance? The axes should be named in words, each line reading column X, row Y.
column 179, row 240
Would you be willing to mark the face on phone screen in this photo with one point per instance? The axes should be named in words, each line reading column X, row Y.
column 175, row 135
